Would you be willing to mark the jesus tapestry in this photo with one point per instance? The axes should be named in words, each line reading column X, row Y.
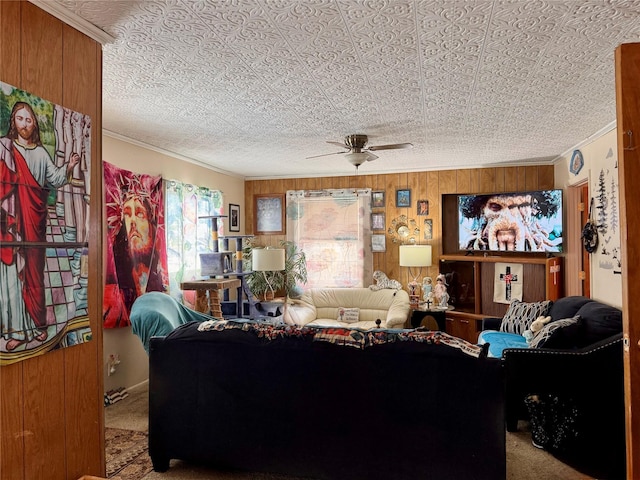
column 136, row 251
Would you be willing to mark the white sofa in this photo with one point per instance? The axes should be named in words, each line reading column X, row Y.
column 321, row 307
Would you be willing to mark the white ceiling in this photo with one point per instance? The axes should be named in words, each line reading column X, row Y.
column 252, row 87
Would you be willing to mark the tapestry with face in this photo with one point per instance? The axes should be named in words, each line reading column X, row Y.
column 136, row 253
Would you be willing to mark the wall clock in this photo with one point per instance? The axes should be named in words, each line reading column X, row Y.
column 403, row 230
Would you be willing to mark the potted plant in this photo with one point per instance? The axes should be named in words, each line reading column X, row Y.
column 285, row 281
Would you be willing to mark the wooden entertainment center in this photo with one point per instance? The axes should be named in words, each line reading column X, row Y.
column 472, row 287
column 472, row 276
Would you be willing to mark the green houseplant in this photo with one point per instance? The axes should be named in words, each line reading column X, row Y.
column 286, row 281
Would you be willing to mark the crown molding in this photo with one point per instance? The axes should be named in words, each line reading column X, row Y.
column 74, row 21
column 168, row 153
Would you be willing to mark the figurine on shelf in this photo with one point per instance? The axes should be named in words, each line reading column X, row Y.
column 427, row 289
column 440, row 291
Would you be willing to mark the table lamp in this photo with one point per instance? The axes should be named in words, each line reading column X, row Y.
column 267, row 260
column 415, row 256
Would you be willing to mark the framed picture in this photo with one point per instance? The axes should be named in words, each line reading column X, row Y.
column 234, row 217
column 428, row 229
column 423, row 207
column 269, row 214
column 377, row 221
column 403, row 198
column 377, row 199
column 378, row 242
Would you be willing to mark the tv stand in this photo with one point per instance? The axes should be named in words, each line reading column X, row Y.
column 542, row 277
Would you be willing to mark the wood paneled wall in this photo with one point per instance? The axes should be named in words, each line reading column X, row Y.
column 428, row 185
column 51, row 407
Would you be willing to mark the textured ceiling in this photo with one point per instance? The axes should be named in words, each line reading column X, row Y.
column 253, row 87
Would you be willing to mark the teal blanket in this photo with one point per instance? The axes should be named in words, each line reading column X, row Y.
column 156, row 314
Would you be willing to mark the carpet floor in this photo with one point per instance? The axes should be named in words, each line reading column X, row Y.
column 127, row 456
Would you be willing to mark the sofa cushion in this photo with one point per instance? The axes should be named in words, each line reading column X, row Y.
column 348, row 315
column 520, row 315
column 599, row 321
column 567, row 307
column 560, row 334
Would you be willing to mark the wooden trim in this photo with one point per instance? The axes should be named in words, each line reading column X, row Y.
column 627, row 68
column 496, row 259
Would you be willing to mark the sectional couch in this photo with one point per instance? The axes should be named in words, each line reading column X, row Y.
column 326, row 403
column 570, row 383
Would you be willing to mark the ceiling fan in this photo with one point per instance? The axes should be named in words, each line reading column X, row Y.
column 357, row 152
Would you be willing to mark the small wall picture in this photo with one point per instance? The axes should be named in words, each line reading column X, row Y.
column 428, row 229
column 377, row 199
column 423, row 207
column 403, row 198
column 378, row 242
column 269, row 214
column 234, row 218
column 377, row 221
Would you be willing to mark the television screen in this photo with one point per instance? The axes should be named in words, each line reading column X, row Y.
column 517, row 222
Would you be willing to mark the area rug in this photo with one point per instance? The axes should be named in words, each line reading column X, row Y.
column 127, row 454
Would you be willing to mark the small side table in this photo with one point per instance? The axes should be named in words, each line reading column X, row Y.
column 212, row 306
column 421, row 315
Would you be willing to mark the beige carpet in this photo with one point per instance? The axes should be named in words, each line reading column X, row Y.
column 524, row 461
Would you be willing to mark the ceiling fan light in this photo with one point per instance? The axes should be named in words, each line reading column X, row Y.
column 358, row 158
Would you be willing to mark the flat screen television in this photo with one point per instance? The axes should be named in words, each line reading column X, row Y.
column 529, row 221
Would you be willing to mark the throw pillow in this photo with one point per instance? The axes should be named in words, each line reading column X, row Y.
column 348, row 315
column 545, row 337
column 520, row 315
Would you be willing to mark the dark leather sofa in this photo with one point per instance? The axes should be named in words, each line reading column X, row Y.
column 579, row 375
column 293, row 405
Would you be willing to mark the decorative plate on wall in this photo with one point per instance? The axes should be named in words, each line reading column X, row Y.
column 577, row 162
column 404, row 230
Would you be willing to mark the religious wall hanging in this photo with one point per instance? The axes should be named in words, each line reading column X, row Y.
column 45, row 172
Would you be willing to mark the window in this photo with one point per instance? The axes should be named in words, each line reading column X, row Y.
column 332, row 228
column 187, row 234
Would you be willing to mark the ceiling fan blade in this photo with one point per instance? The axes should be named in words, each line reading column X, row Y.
column 390, row 146
column 338, row 144
column 326, row 154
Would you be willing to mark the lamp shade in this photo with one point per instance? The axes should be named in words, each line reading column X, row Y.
column 415, row 255
column 267, row 259
column 358, row 158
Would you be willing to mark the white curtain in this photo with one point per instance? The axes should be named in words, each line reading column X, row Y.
column 333, row 229
column 188, row 235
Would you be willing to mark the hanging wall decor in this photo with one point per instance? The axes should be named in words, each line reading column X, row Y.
column 136, row 251
column 45, row 160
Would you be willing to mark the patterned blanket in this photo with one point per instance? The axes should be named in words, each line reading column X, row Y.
column 351, row 337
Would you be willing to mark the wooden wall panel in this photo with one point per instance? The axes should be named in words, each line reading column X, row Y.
column 499, row 178
column 11, row 397
column 447, row 181
column 546, row 179
column 463, row 181
column 487, row 180
column 83, row 372
column 510, row 179
column 429, row 185
column 41, row 60
column 531, row 177
column 51, row 406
